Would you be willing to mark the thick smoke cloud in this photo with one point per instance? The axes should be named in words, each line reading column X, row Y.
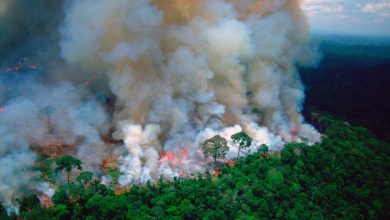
column 180, row 72
column 37, row 117
column 181, row 68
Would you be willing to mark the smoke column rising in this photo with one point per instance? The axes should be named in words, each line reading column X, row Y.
column 181, row 71
column 184, row 69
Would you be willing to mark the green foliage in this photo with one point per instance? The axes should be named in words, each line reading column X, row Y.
column 84, row 177
column 3, row 213
column 114, row 173
column 216, row 147
column 243, row 140
column 264, row 149
column 61, row 211
column 44, row 165
column 67, row 163
column 344, row 177
column 257, row 111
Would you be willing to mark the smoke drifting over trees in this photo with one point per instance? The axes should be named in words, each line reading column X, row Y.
column 181, row 71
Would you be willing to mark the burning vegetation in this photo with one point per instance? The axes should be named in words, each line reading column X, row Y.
column 148, row 89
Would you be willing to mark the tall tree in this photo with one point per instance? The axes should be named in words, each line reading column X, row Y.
column 67, row 163
column 216, row 147
column 243, row 140
column 264, row 149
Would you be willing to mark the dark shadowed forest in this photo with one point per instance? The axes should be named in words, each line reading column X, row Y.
column 352, row 81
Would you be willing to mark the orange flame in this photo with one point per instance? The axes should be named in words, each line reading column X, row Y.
column 176, row 156
column 168, row 155
column 184, row 153
column 294, row 131
column 232, row 163
column 216, row 173
column 121, row 190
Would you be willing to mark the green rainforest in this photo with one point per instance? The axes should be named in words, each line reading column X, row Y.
column 346, row 176
column 194, row 109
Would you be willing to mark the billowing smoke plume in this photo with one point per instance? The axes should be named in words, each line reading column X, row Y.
column 181, row 71
column 35, row 118
column 188, row 69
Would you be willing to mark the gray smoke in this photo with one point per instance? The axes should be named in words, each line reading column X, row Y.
column 181, row 71
column 176, row 66
column 36, row 117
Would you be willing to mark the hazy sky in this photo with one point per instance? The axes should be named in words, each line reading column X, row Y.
column 368, row 17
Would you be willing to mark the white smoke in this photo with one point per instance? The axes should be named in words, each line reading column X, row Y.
column 37, row 118
column 183, row 71
column 15, row 176
column 46, row 189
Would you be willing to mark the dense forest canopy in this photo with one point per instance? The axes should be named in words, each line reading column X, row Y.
column 352, row 81
column 344, row 177
column 189, row 109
